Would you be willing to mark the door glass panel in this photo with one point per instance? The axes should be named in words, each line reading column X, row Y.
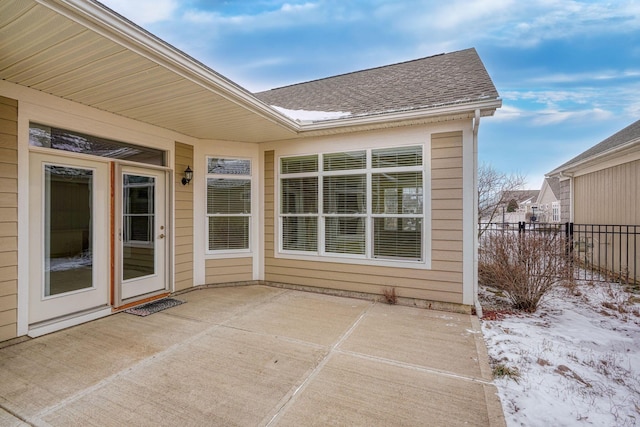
column 138, row 219
column 68, row 229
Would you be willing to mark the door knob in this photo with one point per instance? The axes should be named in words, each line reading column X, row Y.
column 161, row 236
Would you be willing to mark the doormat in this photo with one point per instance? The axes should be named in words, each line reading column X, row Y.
column 154, row 307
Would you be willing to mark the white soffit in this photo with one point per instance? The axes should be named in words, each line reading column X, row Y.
column 75, row 58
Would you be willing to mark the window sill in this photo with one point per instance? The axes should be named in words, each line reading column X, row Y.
column 378, row 262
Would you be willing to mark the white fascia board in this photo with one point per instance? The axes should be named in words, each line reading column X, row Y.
column 486, row 107
column 116, row 28
column 592, row 162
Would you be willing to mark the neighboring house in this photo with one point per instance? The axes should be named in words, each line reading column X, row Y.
column 602, row 184
column 128, row 171
column 519, row 205
column 600, row 192
column 548, row 202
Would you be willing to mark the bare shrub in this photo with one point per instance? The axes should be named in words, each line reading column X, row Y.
column 390, row 296
column 523, row 265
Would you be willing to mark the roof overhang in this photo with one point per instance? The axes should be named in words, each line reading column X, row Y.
column 403, row 118
column 81, row 51
column 623, row 153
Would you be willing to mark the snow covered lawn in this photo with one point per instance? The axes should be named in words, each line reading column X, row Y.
column 575, row 362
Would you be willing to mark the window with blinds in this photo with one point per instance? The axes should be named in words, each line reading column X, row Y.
column 364, row 204
column 228, row 204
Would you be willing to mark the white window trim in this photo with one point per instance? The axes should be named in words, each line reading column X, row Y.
column 555, row 209
column 367, row 259
column 228, row 253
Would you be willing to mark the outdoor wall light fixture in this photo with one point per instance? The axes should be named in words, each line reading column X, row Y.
column 188, row 176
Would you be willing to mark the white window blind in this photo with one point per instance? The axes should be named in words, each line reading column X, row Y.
column 228, row 204
column 345, row 209
column 299, row 210
column 362, row 204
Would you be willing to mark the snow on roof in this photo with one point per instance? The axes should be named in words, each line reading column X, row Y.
column 311, row 116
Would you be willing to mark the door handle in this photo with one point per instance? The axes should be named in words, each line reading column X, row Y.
column 161, row 236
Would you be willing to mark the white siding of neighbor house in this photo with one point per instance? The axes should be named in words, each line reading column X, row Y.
column 442, row 281
column 545, row 204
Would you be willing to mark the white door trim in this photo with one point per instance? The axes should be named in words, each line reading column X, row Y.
column 162, row 246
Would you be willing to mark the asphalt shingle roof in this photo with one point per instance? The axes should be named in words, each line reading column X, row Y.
column 622, row 137
column 521, row 196
column 440, row 80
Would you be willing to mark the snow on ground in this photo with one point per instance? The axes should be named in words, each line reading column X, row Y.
column 577, row 358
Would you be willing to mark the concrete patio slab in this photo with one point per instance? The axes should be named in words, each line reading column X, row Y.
column 255, row 355
column 431, row 339
column 351, row 390
column 313, row 318
column 8, row 420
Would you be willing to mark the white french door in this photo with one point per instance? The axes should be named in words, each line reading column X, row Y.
column 69, row 236
column 70, row 240
column 141, row 232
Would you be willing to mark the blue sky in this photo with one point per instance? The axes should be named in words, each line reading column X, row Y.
column 568, row 71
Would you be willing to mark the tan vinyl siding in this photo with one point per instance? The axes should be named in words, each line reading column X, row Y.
column 442, row 283
column 183, row 219
column 228, row 270
column 8, row 218
column 609, row 196
column 269, row 205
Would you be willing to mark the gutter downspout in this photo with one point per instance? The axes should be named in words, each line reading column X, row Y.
column 476, row 125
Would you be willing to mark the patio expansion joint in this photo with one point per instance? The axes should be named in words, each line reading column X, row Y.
column 414, row 367
column 15, row 415
column 291, row 398
column 38, row 418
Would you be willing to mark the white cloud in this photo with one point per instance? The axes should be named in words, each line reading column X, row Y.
column 297, row 7
column 563, row 19
column 144, row 12
column 201, row 17
column 507, row 113
column 510, row 22
column 594, row 76
column 286, row 16
column 554, row 117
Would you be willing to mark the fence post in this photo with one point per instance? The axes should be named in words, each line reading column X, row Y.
column 568, row 234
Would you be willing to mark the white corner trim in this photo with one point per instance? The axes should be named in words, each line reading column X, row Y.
column 469, row 214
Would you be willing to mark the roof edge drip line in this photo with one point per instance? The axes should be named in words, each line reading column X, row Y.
column 470, row 108
column 565, row 171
